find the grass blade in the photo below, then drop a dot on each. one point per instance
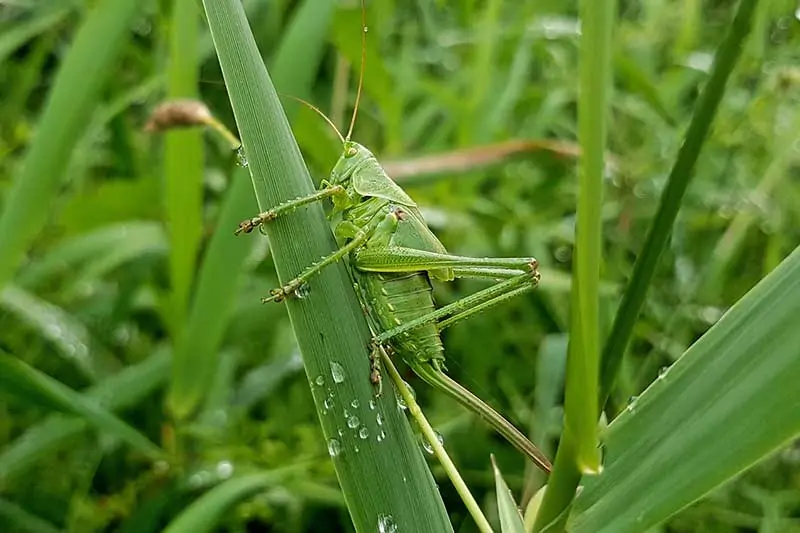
(68, 335)
(197, 354)
(730, 400)
(21, 32)
(120, 391)
(577, 452)
(75, 93)
(580, 403)
(204, 513)
(183, 162)
(682, 172)
(510, 518)
(329, 324)
(34, 387)
(22, 520)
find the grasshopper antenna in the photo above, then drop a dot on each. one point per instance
(319, 112)
(361, 70)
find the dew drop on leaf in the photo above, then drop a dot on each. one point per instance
(334, 448)
(386, 524)
(337, 372)
(241, 160)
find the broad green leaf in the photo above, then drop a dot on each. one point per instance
(729, 401)
(329, 324)
(220, 274)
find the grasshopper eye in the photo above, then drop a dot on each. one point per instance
(351, 151)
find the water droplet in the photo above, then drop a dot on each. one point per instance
(386, 524)
(224, 469)
(302, 291)
(355, 449)
(201, 479)
(631, 404)
(372, 405)
(320, 380)
(401, 402)
(353, 422)
(328, 403)
(241, 160)
(337, 372)
(334, 448)
(662, 372)
(381, 436)
(428, 446)
(341, 432)
(379, 419)
(363, 433)
(355, 404)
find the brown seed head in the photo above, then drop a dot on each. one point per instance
(178, 114)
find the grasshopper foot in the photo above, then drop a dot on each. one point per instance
(375, 367)
(247, 226)
(534, 266)
(293, 288)
(275, 295)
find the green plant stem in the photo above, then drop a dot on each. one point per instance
(183, 164)
(438, 449)
(578, 451)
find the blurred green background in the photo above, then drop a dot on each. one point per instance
(101, 298)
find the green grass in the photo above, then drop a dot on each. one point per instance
(133, 314)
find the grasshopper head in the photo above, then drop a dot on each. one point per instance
(352, 154)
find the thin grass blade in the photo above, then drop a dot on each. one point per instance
(510, 518)
(24, 521)
(183, 162)
(74, 94)
(205, 512)
(34, 387)
(120, 391)
(679, 178)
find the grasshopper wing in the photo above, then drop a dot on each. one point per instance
(413, 232)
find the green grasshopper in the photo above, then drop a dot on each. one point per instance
(393, 256)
